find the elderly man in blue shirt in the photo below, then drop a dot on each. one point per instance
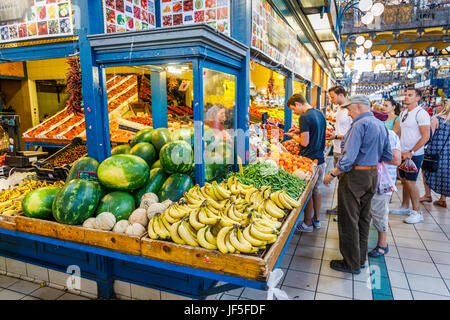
(365, 145)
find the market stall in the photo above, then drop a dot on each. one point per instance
(148, 94)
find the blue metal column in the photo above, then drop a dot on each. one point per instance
(289, 91)
(94, 95)
(197, 68)
(319, 95)
(241, 26)
(308, 92)
(159, 99)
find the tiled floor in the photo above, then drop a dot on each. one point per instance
(418, 265)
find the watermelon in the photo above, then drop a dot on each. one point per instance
(174, 187)
(120, 204)
(160, 137)
(146, 151)
(76, 201)
(84, 168)
(155, 165)
(185, 134)
(125, 172)
(144, 135)
(123, 149)
(38, 203)
(154, 183)
(177, 157)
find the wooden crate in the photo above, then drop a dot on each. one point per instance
(251, 267)
(7, 222)
(98, 238)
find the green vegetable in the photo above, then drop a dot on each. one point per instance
(263, 174)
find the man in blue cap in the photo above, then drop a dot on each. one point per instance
(365, 145)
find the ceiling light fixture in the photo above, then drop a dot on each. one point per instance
(365, 5)
(368, 44)
(367, 18)
(377, 9)
(360, 40)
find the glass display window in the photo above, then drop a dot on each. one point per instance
(219, 115)
(299, 87)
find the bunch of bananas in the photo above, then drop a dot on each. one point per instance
(11, 198)
(231, 217)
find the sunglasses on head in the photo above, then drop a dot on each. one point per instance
(404, 117)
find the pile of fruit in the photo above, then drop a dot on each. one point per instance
(329, 132)
(291, 163)
(292, 146)
(231, 217)
(11, 198)
(68, 157)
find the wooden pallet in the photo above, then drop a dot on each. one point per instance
(98, 238)
(251, 267)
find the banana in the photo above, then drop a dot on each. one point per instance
(261, 235)
(221, 239)
(151, 231)
(271, 208)
(168, 217)
(201, 238)
(254, 241)
(166, 223)
(215, 229)
(203, 192)
(193, 220)
(159, 228)
(230, 214)
(234, 190)
(282, 201)
(210, 237)
(212, 214)
(214, 204)
(192, 201)
(223, 193)
(214, 194)
(274, 197)
(194, 195)
(191, 230)
(268, 224)
(245, 247)
(264, 229)
(225, 221)
(230, 182)
(289, 200)
(230, 247)
(204, 218)
(186, 235)
(174, 233)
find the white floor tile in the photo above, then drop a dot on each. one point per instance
(433, 227)
(312, 241)
(59, 278)
(30, 298)
(2, 263)
(340, 287)
(305, 264)
(6, 281)
(235, 292)
(444, 270)
(309, 252)
(364, 276)
(436, 236)
(393, 252)
(24, 287)
(361, 291)
(393, 264)
(172, 296)
(254, 294)
(285, 261)
(420, 268)
(228, 297)
(298, 294)
(332, 254)
(440, 257)
(414, 254)
(144, 293)
(427, 284)
(401, 294)
(290, 249)
(16, 266)
(324, 296)
(443, 246)
(428, 296)
(122, 288)
(47, 293)
(405, 233)
(6, 294)
(89, 286)
(409, 243)
(332, 244)
(398, 280)
(301, 280)
(70, 296)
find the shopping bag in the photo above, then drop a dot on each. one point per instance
(408, 166)
(275, 277)
(385, 183)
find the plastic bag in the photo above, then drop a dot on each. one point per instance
(274, 278)
(385, 184)
(408, 166)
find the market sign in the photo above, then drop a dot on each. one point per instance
(32, 19)
(12, 69)
(128, 15)
(215, 13)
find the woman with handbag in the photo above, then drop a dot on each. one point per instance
(436, 165)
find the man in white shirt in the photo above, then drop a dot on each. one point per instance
(414, 134)
(338, 97)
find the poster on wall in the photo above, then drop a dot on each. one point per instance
(128, 15)
(272, 36)
(215, 13)
(33, 19)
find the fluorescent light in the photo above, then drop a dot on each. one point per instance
(377, 9)
(365, 5)
(360, 40)
(319, 23)
(360, 50)
(174, 70)
(367, 18)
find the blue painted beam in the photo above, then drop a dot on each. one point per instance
(159, 99)
(289, 91)
(39, 52)
(197, 67)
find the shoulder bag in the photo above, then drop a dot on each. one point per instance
(431, 161)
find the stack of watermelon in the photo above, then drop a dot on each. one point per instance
(156, 161)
